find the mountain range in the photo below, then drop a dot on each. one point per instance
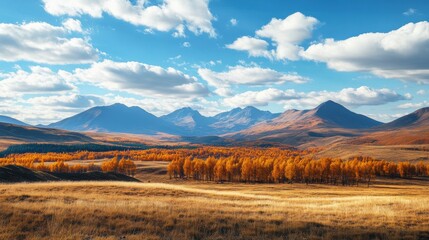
(327, 122)
(119, 118)
(236, 119)
(298, 126)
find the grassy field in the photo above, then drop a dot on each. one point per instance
(197, 210)
(394, 153)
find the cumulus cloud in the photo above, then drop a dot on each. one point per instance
(399, 54)
(37, 80)
(44, 43)
(290, 99)
(247, 75)
(68, 101)
(260, 98)
(142, 79)
(233, 21)
(254, 46)
(286, 34)
(169, 15)
(73, 25)
(414, 105)
(421, 92)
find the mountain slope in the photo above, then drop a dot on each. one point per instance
(296, 127)
(6, 119)
(409, 129)
(11, 132)
(419, 118)
(238, 119)
(336, 114)
(13, 174)
(191, 120)
(116, 118)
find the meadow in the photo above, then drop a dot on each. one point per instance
(182, 210)
(164, 208)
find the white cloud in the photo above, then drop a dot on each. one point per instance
(254, 46)
(233, 21)
(37, 80)
(186, 44)
(142, 79)
(383, 117)
(410, 12)
(291, 99)
(414, 105)
(73, 25)
(421, 92)
(286, 34)
(68, 101)
(43, 43)
(252, 76)
(399, 54)
(169, 15)
(224, 91)
(260, 98)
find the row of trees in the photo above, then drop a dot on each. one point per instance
(292, 169)
(61, 167)
(155, 154)
(124, 166)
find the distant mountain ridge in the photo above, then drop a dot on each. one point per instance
(230, 121)
(191, 120)
(116, 118)
(410, 129)
(299, 126)
(418, 118)
(185, 121)
(327, 122)
(241, 118)
(293, 127)
(6, 119)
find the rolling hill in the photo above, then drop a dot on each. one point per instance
(15, 134)
(13, 174)
(117, 118)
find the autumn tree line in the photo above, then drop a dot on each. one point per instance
(233, 164)
(124, 166)
(155, 154)
(293, 169)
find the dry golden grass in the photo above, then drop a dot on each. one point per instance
(394, 153)
(190, 210)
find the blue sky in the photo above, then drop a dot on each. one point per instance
(58, 58)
